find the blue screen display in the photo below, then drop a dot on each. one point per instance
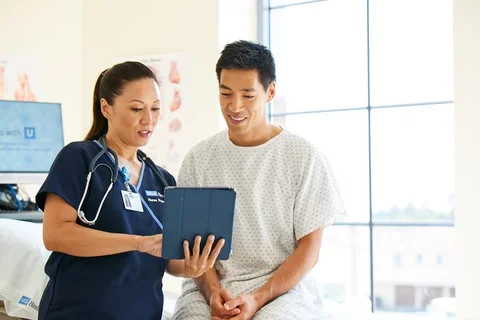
(31, 135)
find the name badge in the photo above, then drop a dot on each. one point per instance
(132, 201)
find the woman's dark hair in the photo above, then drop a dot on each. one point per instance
(110, 84)
(246, 55)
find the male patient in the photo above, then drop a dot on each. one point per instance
(286, 196)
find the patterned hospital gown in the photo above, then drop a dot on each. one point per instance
(285, 190)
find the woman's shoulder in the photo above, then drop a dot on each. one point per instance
(168, 176)
(78, 151)
(76, 147)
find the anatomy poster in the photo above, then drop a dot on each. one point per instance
(19, 78)
(168, 144)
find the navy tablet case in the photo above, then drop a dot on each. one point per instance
(192, 211)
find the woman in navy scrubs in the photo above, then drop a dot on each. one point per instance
(111, 269)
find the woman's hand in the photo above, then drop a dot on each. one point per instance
(151, 245)
(196, 264)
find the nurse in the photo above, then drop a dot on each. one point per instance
(112, 268)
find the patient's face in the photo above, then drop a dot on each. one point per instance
(243, 100)
(135, 113)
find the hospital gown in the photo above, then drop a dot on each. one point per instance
(285, 190)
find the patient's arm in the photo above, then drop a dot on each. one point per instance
(214, 295)
(292, 271)
(289, 274)
(209, 287)
(61, 233)
(208, 283)
(176, 268)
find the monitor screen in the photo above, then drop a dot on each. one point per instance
(31, 135)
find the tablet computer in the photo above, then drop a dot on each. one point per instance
(192, 211)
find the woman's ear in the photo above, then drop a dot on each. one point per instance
(106, 108)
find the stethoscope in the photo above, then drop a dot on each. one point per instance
(113, 178)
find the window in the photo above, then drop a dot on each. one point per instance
(370, 83)
(419, 259)
(439, 260)
(398, 260)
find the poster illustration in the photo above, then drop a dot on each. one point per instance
(168, 144)
(19, 78)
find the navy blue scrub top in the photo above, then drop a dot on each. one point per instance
(119, 286)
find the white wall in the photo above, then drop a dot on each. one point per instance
(467, 154)
(237, 20)
(49, 31)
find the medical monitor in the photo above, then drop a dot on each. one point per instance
(31, 135)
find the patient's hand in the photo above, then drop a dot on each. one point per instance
(217, 309)
(196, 264)
(248, 305)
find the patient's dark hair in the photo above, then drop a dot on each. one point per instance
(110, 84)
(246, 55)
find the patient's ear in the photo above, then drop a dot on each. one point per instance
(271, 92)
